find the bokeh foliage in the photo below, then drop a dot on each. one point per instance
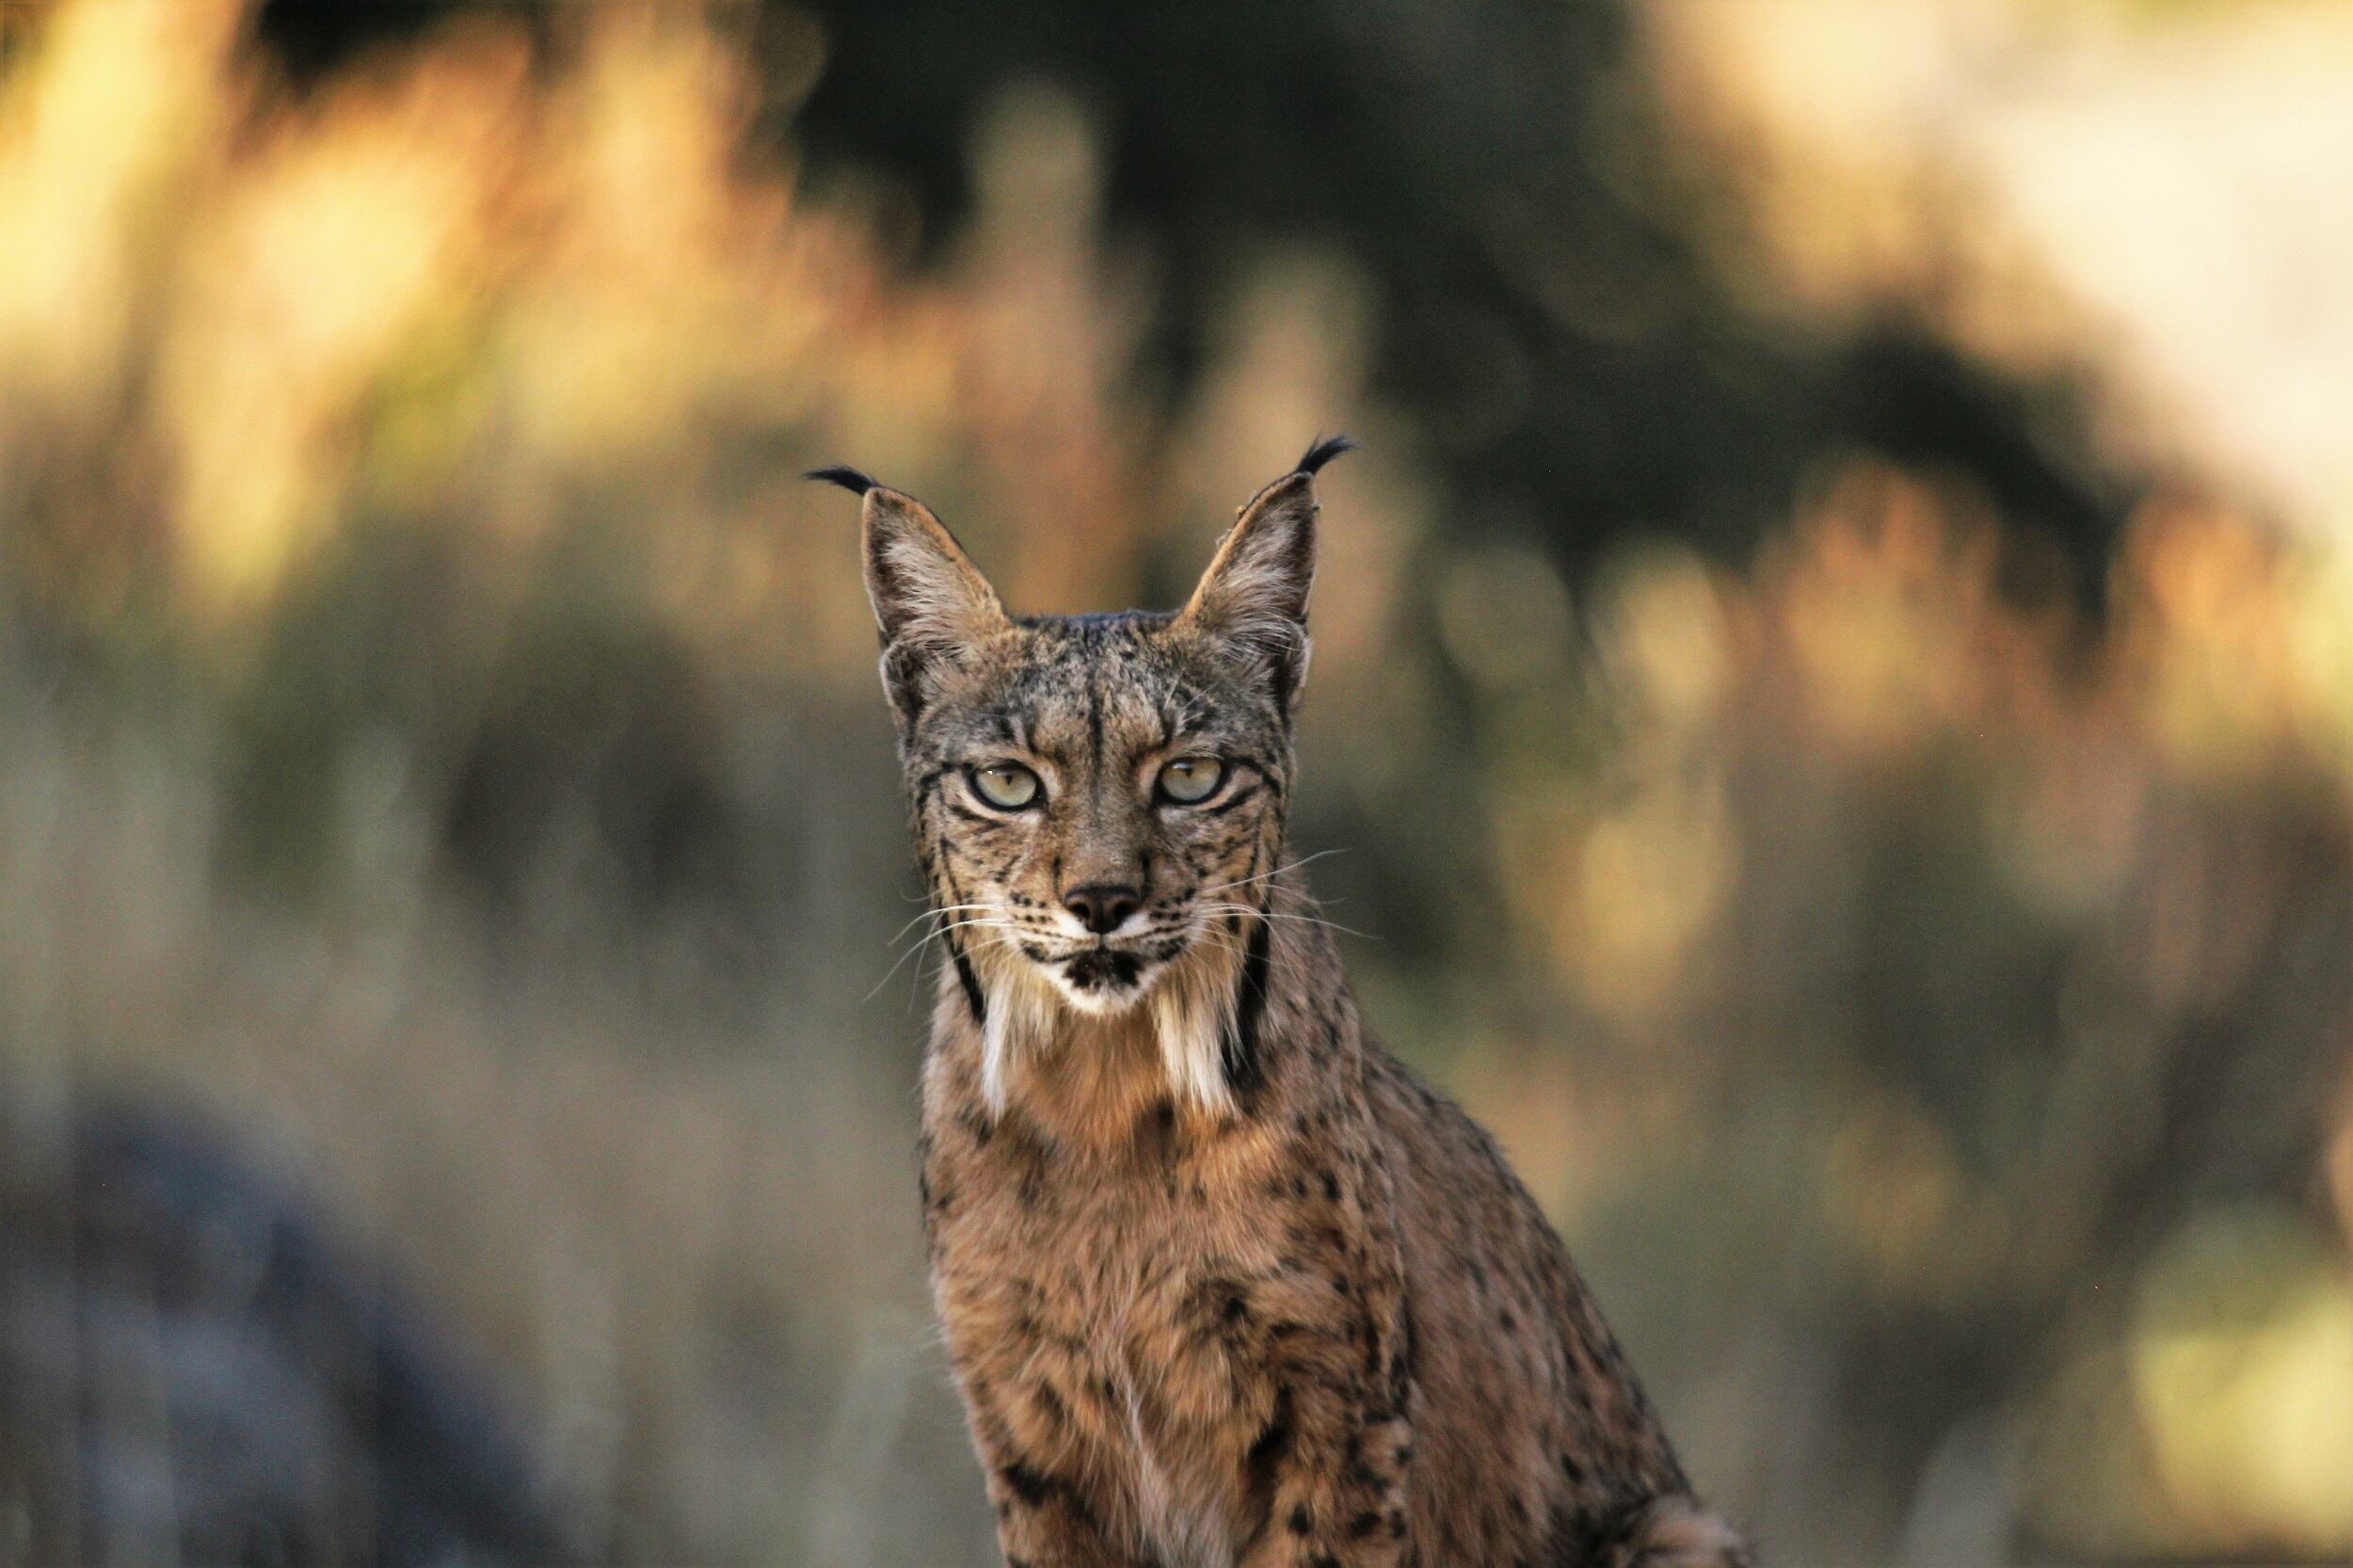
(442, 741)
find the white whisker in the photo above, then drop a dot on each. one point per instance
(938, 933)
(1279, 915)
(934, 913)
(1302, 860)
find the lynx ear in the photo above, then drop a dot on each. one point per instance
(1254, 597)
(930, 601)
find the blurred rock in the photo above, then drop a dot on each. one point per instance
(191, 1372)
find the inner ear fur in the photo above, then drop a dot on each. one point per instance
(924, 588)
(1254, 597)
(931, 602)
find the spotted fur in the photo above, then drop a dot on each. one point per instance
(1224, 1285)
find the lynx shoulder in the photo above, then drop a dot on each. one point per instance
(1224, 1285)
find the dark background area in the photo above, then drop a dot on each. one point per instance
(1548, 309)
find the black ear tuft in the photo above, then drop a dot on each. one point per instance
(1324, 452)
(848, 478)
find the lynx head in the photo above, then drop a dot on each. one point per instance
(1098, 800)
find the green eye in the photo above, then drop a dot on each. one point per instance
(1007, 786)
(1190, 780)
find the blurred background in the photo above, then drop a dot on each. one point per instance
(1833, 713)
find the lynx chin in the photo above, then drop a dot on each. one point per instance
(1225, 1286)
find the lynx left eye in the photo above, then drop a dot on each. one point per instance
(1190, 780)
(1007, 786)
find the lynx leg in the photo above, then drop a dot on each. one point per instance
(1334, 1468)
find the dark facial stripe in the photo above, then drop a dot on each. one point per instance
(971, 984)
(1242, 794)
(1094, 719)
(965, 977)
(1238, 1052)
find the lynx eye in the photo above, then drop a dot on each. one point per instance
(1190, 780)
(1007, 786)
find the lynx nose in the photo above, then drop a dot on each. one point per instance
(1101, 906)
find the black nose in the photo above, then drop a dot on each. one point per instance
(1102, 905)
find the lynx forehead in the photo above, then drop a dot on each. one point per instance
(1224, 1285)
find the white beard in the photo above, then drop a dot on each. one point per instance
(1192, 1012)
(1192, 1001)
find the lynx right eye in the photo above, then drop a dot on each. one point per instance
(1190, 780)
(1007, 786)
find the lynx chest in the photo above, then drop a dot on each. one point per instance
(1110, 1317)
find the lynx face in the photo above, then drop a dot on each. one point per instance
(1098, 800)
(1095, 797)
